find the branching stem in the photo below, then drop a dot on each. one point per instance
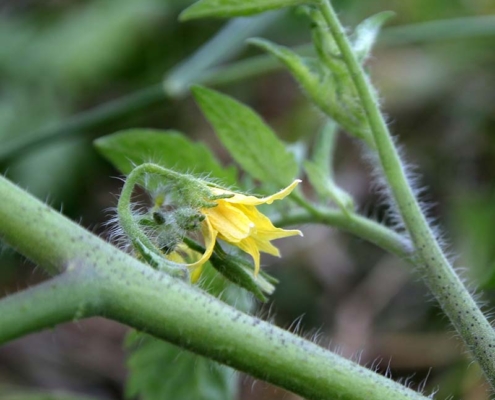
(439, 275)
(113, 284)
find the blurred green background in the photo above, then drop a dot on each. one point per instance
(437, 83)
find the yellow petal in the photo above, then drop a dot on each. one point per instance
(196, 273)
(230, 222)
(249, 246)
(265, 246)
(264, 229)
(238, 198)
(175, 257)
(209, 235)
(277, 233)
(260, 220)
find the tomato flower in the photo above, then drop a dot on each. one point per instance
(236, 220)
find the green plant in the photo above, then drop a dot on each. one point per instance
(152, 291)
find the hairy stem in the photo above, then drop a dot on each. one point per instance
(133, 231)
(355, 224)
(71, 295)
(133, 293)
(439, 275)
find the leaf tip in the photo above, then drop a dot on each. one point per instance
(199, 92)
(190, 13)
(258, 42)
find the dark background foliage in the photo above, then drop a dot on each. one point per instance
(61, 58)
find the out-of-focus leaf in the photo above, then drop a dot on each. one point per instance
(234, 8)
(160, 370)
(248, 139)
(476, 227)
(80, 48)
(171, 149)
(16, 394)
(367, 31)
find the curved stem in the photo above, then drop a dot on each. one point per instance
(135, 294)
(439, 275)
(140, 240)
(224, 45)
(127, 220)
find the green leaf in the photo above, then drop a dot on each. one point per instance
(12, 393)
(160, 370)
(248, 139)
(298, 66)
(234, 8)
(170, 149)
(366, 33)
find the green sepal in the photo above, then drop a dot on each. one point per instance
(234, 8)
(298, 66)
(238, 271)
(326, 48)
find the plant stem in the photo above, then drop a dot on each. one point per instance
(454, 28)
(64, 298)
(432, 263)
(133, 293)
(223, 46)
(355, 224)
(85, 120)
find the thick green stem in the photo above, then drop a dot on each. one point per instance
(135, 294)
(69, 296)
(439, 275)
